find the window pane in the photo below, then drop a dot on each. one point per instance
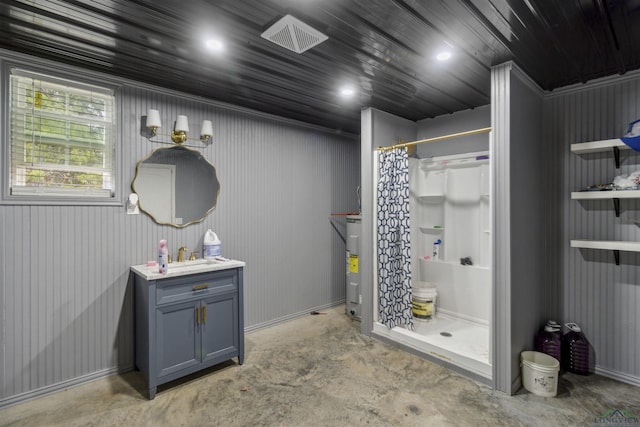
(42, 152)
(62, 136)
(48, 100)
(83, 105)
(62, 179)
(92, 157)
(46, 128)
(86, 132)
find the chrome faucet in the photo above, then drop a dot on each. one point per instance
(181, 252)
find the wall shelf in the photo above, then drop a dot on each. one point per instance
(621, 194)
(432, 198)
(616, 246)
(615, 196)
(611, 245)
(455, 263)
(598, 146)
(614, 145)
(432, 229)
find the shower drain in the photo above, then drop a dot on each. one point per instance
(446, 334)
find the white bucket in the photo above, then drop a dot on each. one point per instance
(539, 373)
(423, 303)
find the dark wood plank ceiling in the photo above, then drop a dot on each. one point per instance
(385, 48)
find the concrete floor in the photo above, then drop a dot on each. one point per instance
(320, 371)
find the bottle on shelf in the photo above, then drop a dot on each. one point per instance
(436, 249)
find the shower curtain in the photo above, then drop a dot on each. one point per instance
(394, 248)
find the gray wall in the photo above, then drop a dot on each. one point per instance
(65, 300)
(529, 152)
(519, 164)
(460, 121)
(595, 293)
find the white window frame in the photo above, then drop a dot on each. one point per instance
(58, 196)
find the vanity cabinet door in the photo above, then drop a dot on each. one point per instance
(177, 337)
(186, 323)
(220, 330)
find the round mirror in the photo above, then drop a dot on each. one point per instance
(176, 186)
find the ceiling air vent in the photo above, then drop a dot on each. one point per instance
(293, 34)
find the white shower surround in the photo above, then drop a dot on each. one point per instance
(453, 192)
(439, 199)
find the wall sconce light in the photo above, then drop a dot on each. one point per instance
(206, 131)
(180, 129)
(179, 133)
(153, 122)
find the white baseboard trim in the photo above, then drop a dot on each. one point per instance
(291, 316)
(617, 375)
(53, 388)
(516, 384)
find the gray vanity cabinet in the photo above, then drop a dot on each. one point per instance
(187, 323)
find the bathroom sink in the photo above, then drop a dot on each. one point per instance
(185, 268)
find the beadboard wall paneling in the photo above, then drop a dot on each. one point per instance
(66, 298)
(554, 198)
(367, 243)
(500, 154)
(3, 295)
(598, 295)
(461, 121)
(518, 224)
(528, 161)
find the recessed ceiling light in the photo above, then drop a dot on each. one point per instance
(443, 56)
(347, 91)
(215, 45)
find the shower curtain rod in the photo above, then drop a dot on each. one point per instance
(437, 138)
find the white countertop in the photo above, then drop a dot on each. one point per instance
(177, 269)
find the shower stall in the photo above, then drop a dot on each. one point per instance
(488, 309)
(450, 235)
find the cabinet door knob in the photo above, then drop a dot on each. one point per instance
(204, 312)
(200, 287)
(198, 315)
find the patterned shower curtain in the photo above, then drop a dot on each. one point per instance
(394, 248)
